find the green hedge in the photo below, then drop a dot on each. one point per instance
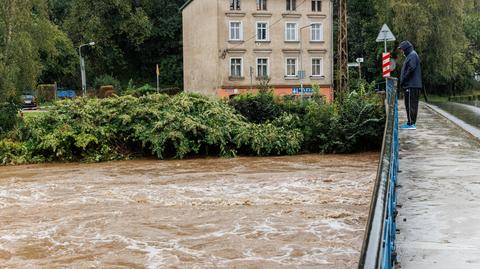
(8, 117)
(354, 125)
(183, 125)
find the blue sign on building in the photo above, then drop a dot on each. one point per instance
(299, 90)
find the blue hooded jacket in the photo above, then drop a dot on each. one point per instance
(411, 76)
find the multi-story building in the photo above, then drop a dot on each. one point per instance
(228, 45)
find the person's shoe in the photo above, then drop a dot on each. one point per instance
(404, 126)
(407, 126)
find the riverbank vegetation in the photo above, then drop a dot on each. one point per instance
(190, 125)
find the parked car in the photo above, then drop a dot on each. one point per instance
(28, 101)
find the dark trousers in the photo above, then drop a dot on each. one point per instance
(411, 104)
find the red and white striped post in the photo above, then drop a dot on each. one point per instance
(386, 64)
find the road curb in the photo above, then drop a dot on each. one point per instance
(469, 129)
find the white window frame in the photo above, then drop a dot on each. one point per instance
(268, 66)
(321, 66)
(286, 67)
(267, 34)
(312, 32)
(230, 67)
(293, 5)
(230, 31)
(296, 31)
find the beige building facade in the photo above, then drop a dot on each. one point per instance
(229, 45)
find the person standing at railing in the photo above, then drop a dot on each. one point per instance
(411, 83)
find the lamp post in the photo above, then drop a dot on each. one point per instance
(82, 67)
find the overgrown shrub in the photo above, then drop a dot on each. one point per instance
(12, 152)
(268, 139)
(105, 80)
(86, 129)
(45, 93)
(257, 108)
(90, 129)
(361, 122)
(140, 91)
(353, 125)
(8, 116)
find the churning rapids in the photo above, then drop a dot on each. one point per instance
(306, 211)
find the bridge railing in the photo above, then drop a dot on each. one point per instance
(378, 250)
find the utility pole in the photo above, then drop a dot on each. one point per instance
(342, 50)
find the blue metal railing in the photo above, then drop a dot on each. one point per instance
(378, 251)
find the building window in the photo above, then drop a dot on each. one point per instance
(262, 67)
(291, 31)
(316, 5)
(316, 32)
(317, 67)
(291, 5)
(262, 31)
(291, 67)
(261, 4)
(236, 31)
(234, 4)
(236, 67)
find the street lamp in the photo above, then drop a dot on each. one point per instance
(82, 67)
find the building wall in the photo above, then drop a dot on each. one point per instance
(276, 49)
(200, 46)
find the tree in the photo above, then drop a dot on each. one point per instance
(31, 46)
(131, 36)
(19, 60)
(435, 28)
(116, 26)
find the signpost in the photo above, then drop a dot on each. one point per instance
(360, 61)
(385, 36)
(301, 76)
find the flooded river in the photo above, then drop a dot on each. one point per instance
(287, 212)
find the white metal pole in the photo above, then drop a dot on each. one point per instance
(84, 77)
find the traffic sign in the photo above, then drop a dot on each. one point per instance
(359, 60)
(385, 34)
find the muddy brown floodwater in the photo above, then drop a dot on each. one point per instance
(304, 211)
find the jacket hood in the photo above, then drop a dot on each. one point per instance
(406, 46)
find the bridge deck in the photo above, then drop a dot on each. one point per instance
(439, 195)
